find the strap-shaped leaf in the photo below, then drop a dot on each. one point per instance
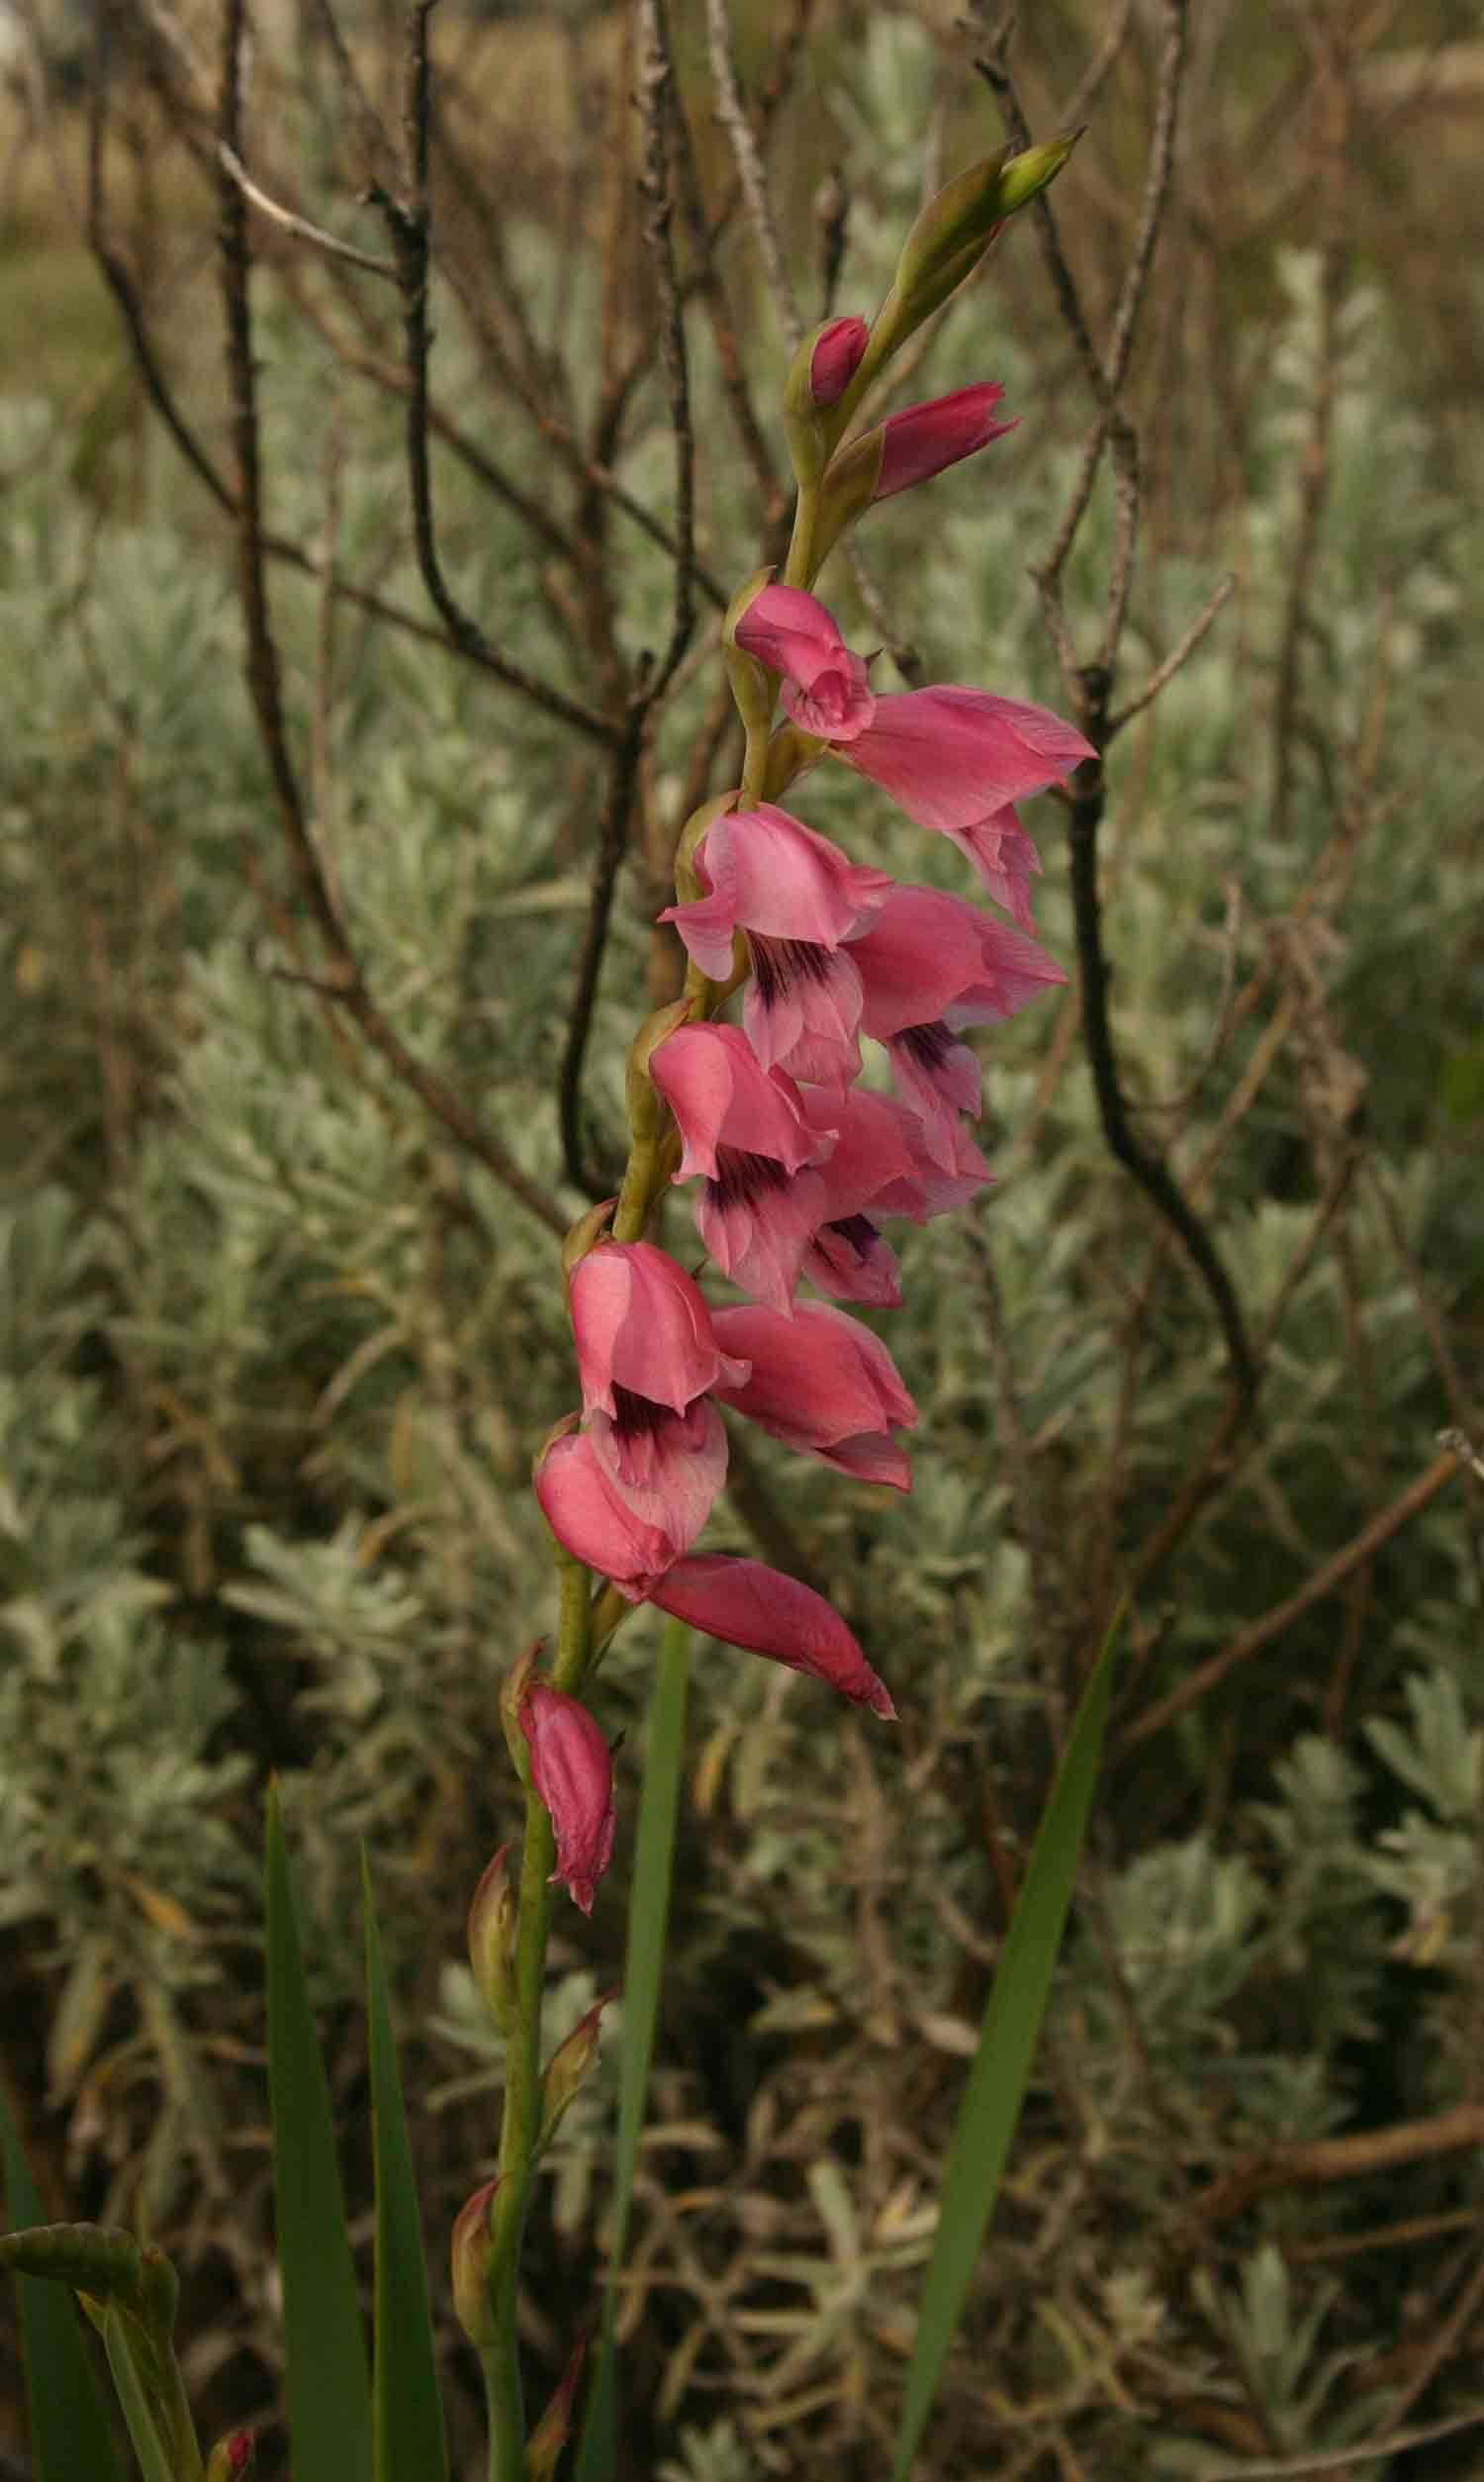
(648, 1915)
(1002, 2070)
(70, 2430)
(121, 2343)
(409, 2417)
(329, 2390)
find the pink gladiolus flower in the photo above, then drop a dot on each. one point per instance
(646, 1352)
(935, 1187)
(955, 760)
(572, 1768)
(798, 900)
(848, 1260)
(597, 1522)
(745, 1132)
(827, 689)
(642, 1329)
(930, 964)
(874, 1150)
(747, 1606)
(884, 1165)
(824, 1384)
(836, 358)
(920, 440)
(958, 760)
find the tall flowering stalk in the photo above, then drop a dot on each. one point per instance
(792, 1167)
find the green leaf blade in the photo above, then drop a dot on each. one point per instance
(69, 2428)
(410, 2444)
(329, 2389)
(648, 1918)
(1013, 2013)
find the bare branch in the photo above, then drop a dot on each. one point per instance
(345, 985)
(731, 112)
(656, 89)
(288, 221)
(1196, 1684)
(1179, 655)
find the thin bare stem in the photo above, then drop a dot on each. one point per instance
(1179, 655)
(1197, 1684)
(346, 981)
(289, 221)
(731, 112)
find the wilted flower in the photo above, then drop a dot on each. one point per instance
(572, 1768)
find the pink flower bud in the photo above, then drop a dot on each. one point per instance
(835, 359)
(920, 440)
(491, 1936)
(569, 2065)
(550, 2435)
(469, 2259)
(745, 1605)
(572, 1768)
(231, 2457)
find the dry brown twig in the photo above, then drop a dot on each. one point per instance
(1091, 683)
(345, 985)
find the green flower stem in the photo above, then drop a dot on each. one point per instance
(800, 569)
(631, 1213)
(520, 2126)
(754, 768)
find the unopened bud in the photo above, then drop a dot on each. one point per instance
(231, 2457)
(908, 447)
(961, 216)
(572, 1768)
(950, 237)
(956, 227)
(568, 2068)
(470, 2249)
(826, 363)
(554, 2429)
(490, 1934)
(823, 368)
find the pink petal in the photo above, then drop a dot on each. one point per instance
(876, 1144)
(721, 1095)
(828, 691)
(803, 1008)
(939, 1080)
(591, 1520)
(935, 1186)
(572, 1768)
(640, 1324)
(816, 1378)
(1005, 859)
(920, 440)
(769, 873)
(930, 955)
(848, 1260)
(758, 1222)
(747, 1606)
(666, 1469)
(836, 358)
(952, 757)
